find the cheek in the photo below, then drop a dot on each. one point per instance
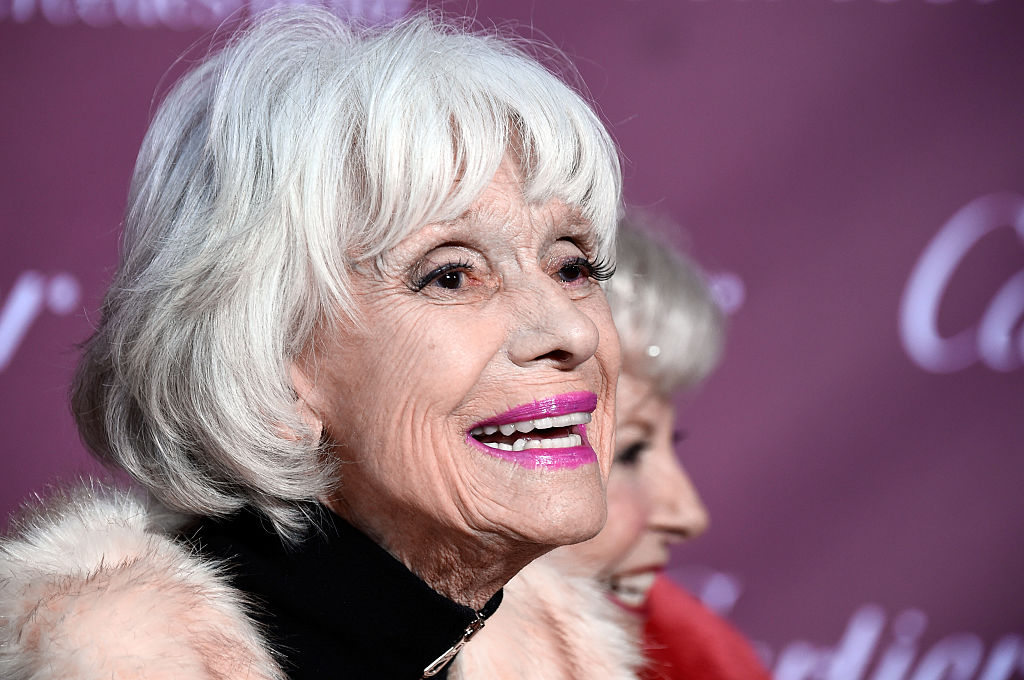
(394, 383)
(628, 509)
(449, 361)
(608, 351)
(450, 352)
(627, 518)
(608, 362)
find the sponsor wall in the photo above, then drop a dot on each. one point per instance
(850, 172)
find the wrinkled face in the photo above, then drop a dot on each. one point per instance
(475, 400)
(651, 501)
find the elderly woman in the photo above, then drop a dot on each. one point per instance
(671, 336)
(356, 343)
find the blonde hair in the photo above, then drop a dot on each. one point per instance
(670, 328)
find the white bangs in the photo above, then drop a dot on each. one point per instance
(429, 114)
(301, 149)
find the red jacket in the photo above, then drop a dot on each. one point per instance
(684, 640)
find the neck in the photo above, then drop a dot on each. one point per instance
(466, 568)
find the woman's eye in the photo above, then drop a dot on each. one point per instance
(571, 272)
(579, 268)
(450, 276)
(630, 455)
(450, 280)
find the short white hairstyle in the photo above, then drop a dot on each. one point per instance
(670, 329)
(300, 150)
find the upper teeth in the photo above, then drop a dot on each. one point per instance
(525, 426)
(537, 424)
(632, 589)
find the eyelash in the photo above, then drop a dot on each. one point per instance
(631, 454)
(600, 270)
(433, 275)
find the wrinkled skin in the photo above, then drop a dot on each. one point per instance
(397, 394)
(652, 504)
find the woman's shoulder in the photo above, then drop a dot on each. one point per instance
(92, 585)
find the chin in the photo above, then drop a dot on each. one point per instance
(567, 512)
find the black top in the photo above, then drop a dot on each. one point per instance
(337, 605)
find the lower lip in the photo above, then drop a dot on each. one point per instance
(566, 458)
(640, 612)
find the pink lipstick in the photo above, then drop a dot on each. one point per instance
(548, 433)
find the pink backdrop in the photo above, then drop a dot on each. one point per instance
(852, 173)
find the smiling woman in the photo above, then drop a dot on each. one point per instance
(671, 336)
(355, 351)
(490, 320)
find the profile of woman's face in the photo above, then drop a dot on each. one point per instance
(475, 399)
(651, 501)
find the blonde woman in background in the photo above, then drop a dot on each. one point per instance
(671, 335)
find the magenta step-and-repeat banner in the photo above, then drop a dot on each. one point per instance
(850, 173)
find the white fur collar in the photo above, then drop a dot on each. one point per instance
(553, 624)
(92, 587)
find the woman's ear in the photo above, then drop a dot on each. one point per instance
(305, 397)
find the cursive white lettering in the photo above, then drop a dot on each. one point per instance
(862, 652)
(182, 14)
(955, 657)
(991, 340)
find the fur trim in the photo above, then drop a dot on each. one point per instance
(91, 587)
(553, 624)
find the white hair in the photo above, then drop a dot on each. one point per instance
(301, 149)
(670, 329)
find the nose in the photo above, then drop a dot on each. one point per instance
(551, 327)
(677, 509)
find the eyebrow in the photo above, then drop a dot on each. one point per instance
(572, 217)
(476, 213)
(569, 224)
(583, 230)
(646, 430)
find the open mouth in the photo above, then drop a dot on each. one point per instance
(553, 432)
(630, 591)
(549, 433)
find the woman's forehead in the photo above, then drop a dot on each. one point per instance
(502, 218)
(636, 394)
